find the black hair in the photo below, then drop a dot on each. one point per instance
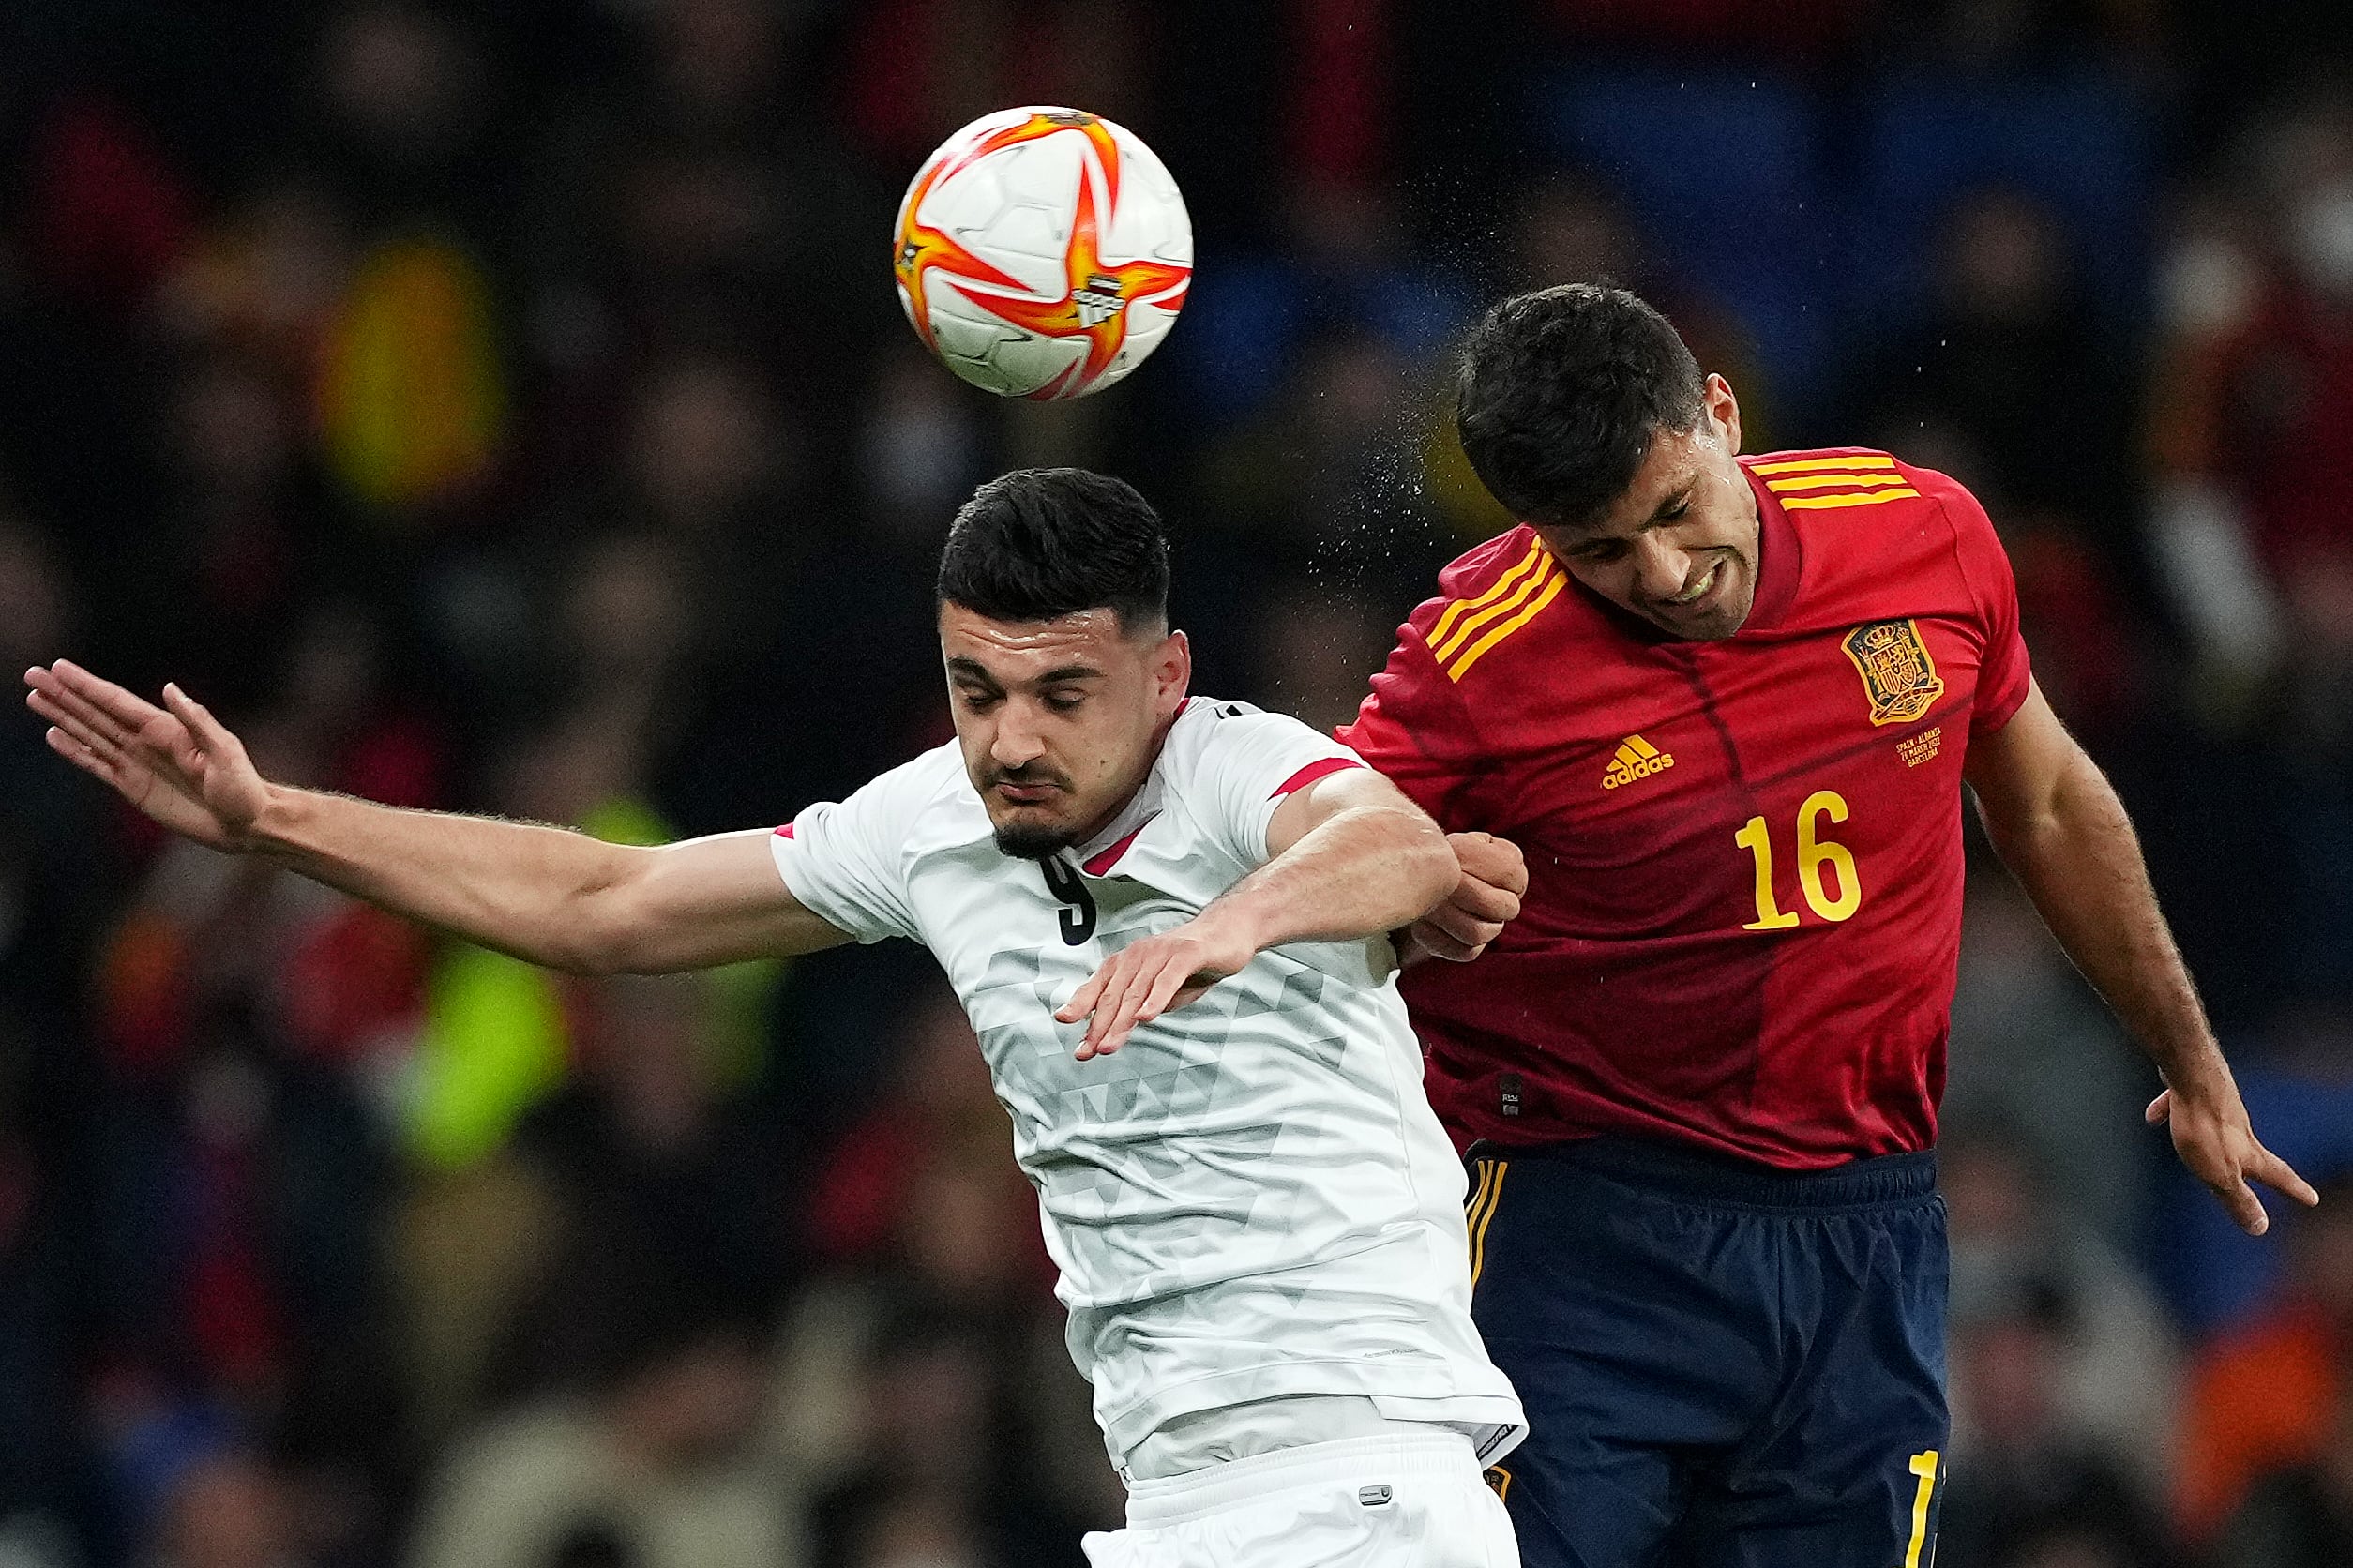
(1042, 543)
(1560, 392)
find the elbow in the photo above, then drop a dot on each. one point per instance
(594, 938)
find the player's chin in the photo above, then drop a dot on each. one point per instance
(1029, 833)
(1715, 615)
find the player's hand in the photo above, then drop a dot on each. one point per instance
(1483, 901)
(176, 762)
(2216, 1140)
(1145, 979)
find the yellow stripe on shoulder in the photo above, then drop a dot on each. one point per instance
(1499, 587)
(1548, 589)
(1867, 498)
(1822, 481)
(1487, 614)
(1872, 462)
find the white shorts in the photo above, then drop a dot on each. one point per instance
(1417, 1501)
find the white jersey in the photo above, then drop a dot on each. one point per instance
(1251, 1198)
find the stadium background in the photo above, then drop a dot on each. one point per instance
(506, 407)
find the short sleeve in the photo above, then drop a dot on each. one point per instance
(2003, 671)
(843, 859)
(1410, 726)
(1249, 762)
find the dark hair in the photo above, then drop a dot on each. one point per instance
(1562, 391)
(1040, 543)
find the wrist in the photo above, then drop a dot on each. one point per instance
(276, 827)
(2198, 1072)
(1232, 923)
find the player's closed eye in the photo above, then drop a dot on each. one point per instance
(1063, 701)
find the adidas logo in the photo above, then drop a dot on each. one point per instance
(1636, 760)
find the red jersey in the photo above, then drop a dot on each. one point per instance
(1744, 856)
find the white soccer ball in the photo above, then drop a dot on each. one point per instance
(1043, 252)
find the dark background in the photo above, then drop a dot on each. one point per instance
(504, 408)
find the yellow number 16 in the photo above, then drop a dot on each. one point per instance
(1814, 853)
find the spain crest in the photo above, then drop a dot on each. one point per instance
(1898, 674)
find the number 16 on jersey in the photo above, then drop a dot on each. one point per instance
(1826, 869)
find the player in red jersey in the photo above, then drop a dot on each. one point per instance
(1726, 705)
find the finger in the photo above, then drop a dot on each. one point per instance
(162, 741)
(1112, 1023)
(1483, 901)
(208, 738)
(1115, 977)
(74, 725)
(2159, 1108)
(1165, 989)
(59, 705)
(2276, 1172)
(1480, 853)
(1149, 998)
(127, 709)
(101, 768)
(1442, 943)
(1492, 860)
(198, 718)
(1463, 928)
(1081, 1000)
(2245, 1207)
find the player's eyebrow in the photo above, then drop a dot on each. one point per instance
(973, 669)
(1675, 498)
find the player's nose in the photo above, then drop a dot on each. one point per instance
(1014, 742)
(1660, 569)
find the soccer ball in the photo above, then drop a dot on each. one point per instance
(1043, 252)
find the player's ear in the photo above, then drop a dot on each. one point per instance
(1724, 409)
(1172, 672)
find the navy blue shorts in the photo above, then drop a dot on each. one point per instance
(1724, 1365)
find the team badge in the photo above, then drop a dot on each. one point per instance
(1898, 674)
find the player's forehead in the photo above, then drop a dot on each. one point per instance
(1012, 653)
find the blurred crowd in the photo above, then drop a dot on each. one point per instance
(503, 407)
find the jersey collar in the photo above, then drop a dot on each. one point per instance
(1780, 559)
(1105, 849)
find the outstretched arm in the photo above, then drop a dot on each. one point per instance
(2058, 826)
(543, 894)
(1350, 858)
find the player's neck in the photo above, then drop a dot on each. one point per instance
(1136, 786)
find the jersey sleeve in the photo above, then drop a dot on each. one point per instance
(843, 859)
(1249, 762)
(2003, 671)
(1411, 726)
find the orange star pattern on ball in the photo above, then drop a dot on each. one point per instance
(1095, 302)
(921, 246)
(1095, 286)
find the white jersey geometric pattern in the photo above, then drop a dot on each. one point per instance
(1252, 1198)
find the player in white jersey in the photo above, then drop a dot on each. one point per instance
(1167, 918)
